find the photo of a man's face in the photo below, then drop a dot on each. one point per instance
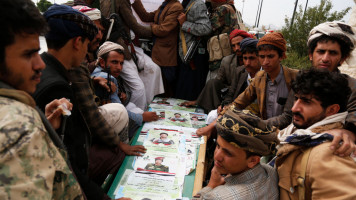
(158, 162)
(163, 136)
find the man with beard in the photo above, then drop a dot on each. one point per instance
(210, 97)
(306, 166)
(112, 54)
(33, 159)
(329, 45)
(237, 173)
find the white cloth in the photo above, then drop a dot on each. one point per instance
(133, 108)
(116, 116)
(349, 66)
(212, 116)
(283, 134)
(134, 84)
(151, 75)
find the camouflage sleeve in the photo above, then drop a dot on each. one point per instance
(216, 18)
(27, 155)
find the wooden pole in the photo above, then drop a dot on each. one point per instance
(199, 171)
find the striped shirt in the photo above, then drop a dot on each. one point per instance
(260, 182)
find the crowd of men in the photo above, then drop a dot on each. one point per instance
(67, 115)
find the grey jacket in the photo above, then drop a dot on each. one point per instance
(197, 24)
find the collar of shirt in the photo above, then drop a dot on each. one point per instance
(249, 78)
(279, 78)
(245, 176)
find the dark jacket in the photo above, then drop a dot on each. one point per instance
(55, 85)
(238, 85)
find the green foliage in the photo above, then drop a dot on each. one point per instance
(297, 35)
(43, 5)
(293, 60)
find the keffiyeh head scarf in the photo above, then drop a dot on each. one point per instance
(335, 29)
(92, 13)
(107, 47)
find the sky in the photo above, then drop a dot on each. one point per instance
(273, 11)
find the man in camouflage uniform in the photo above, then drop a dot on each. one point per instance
(223, 19)
(33, 160)
(157, 166)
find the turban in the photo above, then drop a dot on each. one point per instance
(337, 30)
(107, 47)
(65, 23)
(248, 42)
(92, 13)
(246, 131)
(275, 39)
(241, 33)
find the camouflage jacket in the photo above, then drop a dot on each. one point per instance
(224, 19)
(31, 166)
(161, 168)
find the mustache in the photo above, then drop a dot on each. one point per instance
(37, 74)
(298, 114)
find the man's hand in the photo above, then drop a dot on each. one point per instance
(215, 179)
(132, 150)
(348, 142)
(188, 103)
(103, 83)
(150, 116)
(53, 111)
(207, 130)
(182, 18)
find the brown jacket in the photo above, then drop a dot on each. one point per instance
(165, 29)
(257, 89)
(327, 176)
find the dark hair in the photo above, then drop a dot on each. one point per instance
(58, 44)
(344, 47)
(250, 49)
(18, 17)
(325, 86)
(270, 47)
(163, 133)
(249, 154)
(177, 114)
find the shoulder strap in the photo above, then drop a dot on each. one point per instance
(184, 44)
(301, 178)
